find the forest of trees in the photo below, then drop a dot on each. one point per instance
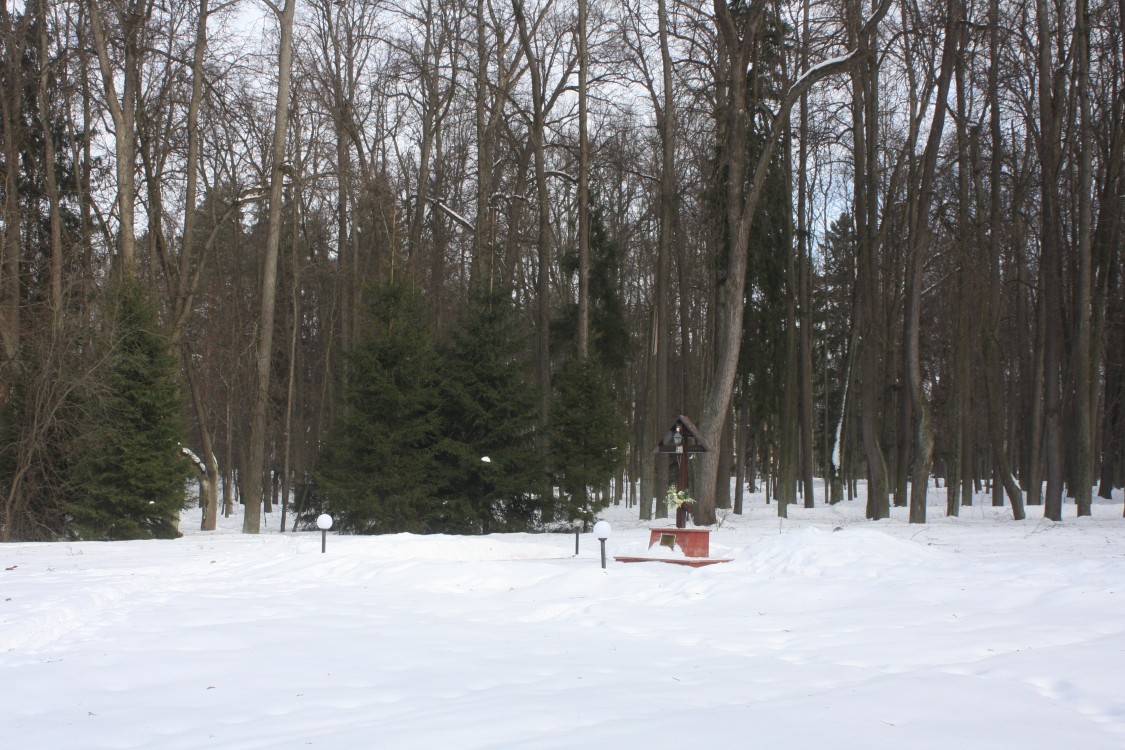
(343, 251)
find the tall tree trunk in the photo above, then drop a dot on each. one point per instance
(902, 405)
(1050, 264)
(1032, 364)
(741, 207)
(50, 177)
(132, 17)
(430, 95)
(990, 344)
(346, 247)
(187, 280)
(736, 47)
(790, 446)
(1107, 249)
(741, 449)
(543, 285)
(291, 375)
(903, 445)
(1113, 426)
(865, 194)
(804, 291)
(583, 188)
(12, 129)
(1083, 434)
(252, 482)
(648, 427)
(228, 460)
(804, 372)
(921, 239)
(483, 249)
(726, 449)
(666, 114)
(1113, 417)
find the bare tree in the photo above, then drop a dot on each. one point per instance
(542, 101)
(921, 236)
(1051, 81)
(659, 85)
(1082, 431)
(128, 23)
(50, 171)
(583, 183)
(739, 43)
(252, 481)
(991, 330)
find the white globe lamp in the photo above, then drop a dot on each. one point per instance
(601, 531)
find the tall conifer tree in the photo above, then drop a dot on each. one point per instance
(490, 410)
(377, 471)
(129, 478)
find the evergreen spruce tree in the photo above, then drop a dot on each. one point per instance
(377, 471)
(489, 410)
(587, 437)
(609, 331)
(587, 429)
(128, 480)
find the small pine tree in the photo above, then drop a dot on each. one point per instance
(489, 410)
(587, 436)
(129, 478)
(376, 471)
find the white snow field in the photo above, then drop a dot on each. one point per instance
(825, 631)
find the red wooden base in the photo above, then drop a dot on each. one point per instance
(695, 544)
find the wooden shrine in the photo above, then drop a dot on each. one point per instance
(681, 440)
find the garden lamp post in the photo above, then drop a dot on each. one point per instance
(324, 523)
(601, 531)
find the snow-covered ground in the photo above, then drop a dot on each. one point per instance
(825, 631)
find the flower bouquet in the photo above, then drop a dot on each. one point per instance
(681, 501)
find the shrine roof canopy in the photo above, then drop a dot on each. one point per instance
(690, 440)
